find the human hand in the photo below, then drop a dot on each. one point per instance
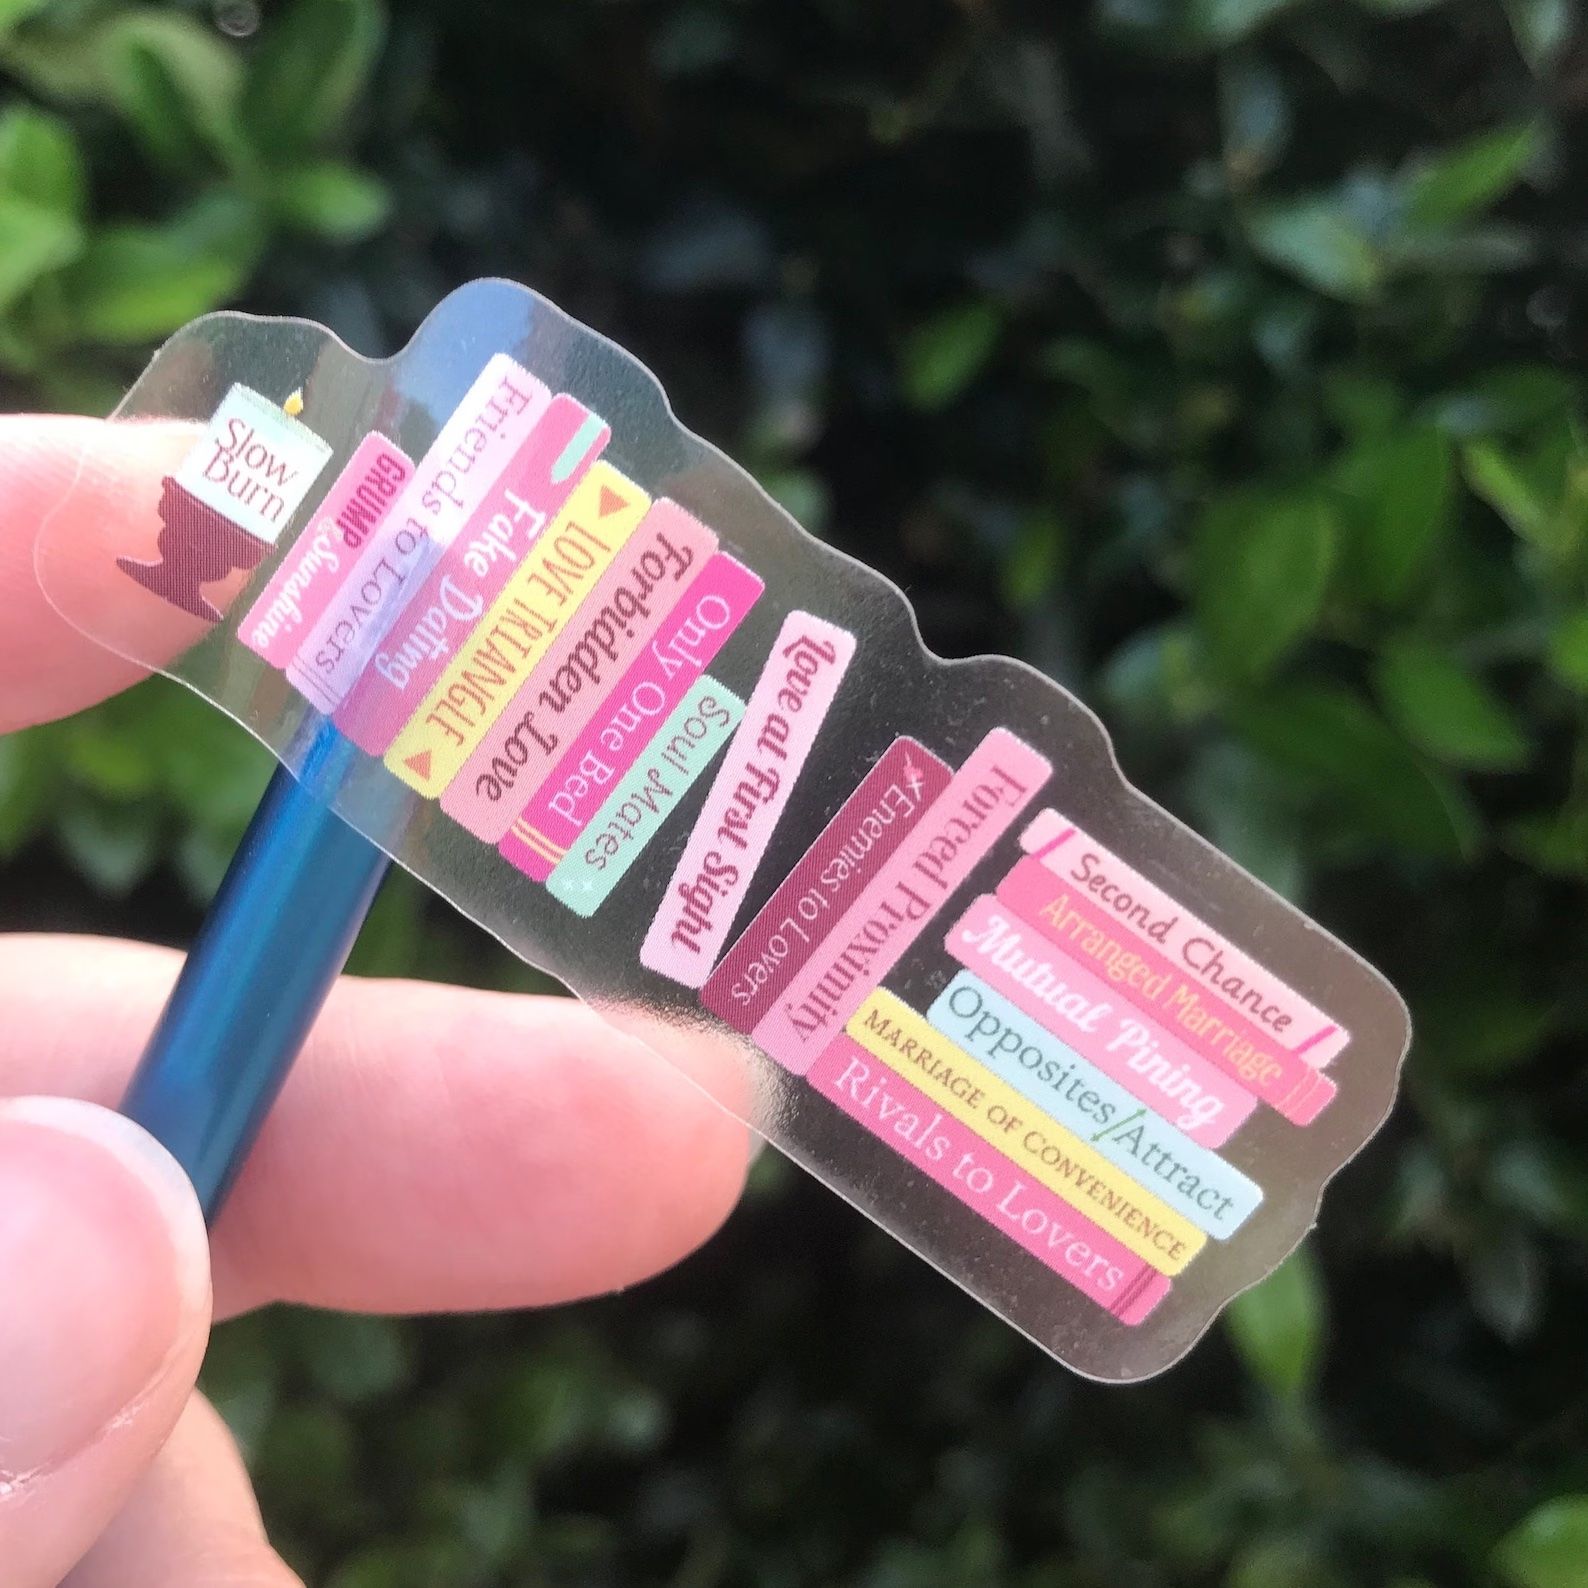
(518, 1151)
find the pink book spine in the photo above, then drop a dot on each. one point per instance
(850, 850)
(1065, 917)
(548, 463)
(1063, 996)
(988, 1183)
(751, 791)
(707, 616)
(1001, 776)
(449, 482)
(612, 626)
(1145, 909)
(321, 558)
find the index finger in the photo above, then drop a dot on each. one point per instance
(435, 1149)
(85, 480)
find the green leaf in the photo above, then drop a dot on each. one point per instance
(1447, 711)
(332, 200)
(309, 1455)
(1501, 482)
(1260, 569)
(1484, 1023)
(421, 1564)
(41, 163)
(1278, 1326)
(1554, 842)
(1541, 491)
(352, 1358)
(210, 772)
(1542, 29)
(1550, 1548)
(117, 766)
(1226, 21)
(1332, 741)
(801, 493)
(1158, 679)
(1279, 1563)
(242, 1375)
(391, 941)
(1473, 250)
(1315, 240)
(1397, 489)
(1362, 404)
(1542, 1181)
(178, 85)
(1237, 801)
(1254, 107)
(1459, 185)
(14, 12)
(943, 356)
(34, 241)
(313, 60)
(1033, 561)
(492, 1518)
(1512, 400)
(201, 860)
(1568, 651)
(135, 283)
(1503, 1271)
(114, 846)
(29, 778)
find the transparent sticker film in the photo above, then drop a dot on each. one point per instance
(572, 667)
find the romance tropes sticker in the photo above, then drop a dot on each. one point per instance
(579, 673)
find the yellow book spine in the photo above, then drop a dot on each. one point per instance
(562, 567)
(891, 1031)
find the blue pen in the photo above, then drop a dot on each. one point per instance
(285, 919)
(300, 885)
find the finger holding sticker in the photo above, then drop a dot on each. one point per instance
(81, 493)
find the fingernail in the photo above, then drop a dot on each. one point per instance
(104, 1274)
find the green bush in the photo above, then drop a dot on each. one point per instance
(1215, 355)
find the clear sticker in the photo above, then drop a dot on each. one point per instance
(572, 667)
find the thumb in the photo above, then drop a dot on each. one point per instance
(104, 1313)
(75, 494)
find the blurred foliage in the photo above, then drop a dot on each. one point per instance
(1217, 356)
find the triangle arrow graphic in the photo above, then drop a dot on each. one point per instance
(611, 502)
(419, 765)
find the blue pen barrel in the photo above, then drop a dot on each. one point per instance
(293, 900)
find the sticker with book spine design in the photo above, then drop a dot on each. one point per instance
(573, 668)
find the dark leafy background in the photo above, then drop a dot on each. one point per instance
(1220, 358)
